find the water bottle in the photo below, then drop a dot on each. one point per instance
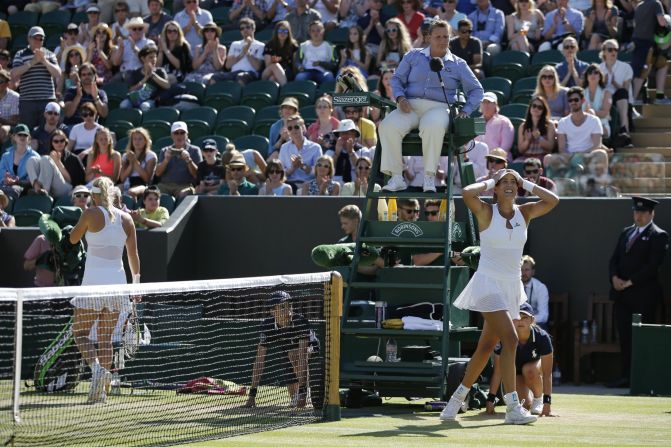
(556, 375)
(392, 350)
(392, 210)
(380, 311)
(584, 332)
(595, 329)
(382, 213)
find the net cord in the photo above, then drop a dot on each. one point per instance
(18, 354)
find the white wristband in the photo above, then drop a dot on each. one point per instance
(136, 279)
(489, 184)
(527, 185)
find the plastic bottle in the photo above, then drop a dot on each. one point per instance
(392, 210)
(392, 350)
(382, 211)
(556, 375)
(584, 332)
(595, 330)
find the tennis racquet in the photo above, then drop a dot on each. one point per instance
(131, 333)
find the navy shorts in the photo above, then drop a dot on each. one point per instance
(640, 55)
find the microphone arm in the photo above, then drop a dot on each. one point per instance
(436, 64)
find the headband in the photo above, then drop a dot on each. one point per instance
(95, 190)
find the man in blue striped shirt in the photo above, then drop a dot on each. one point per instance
(422, 104)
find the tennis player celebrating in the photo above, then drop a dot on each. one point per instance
(107, 230)
(289, 333)
(496, 288)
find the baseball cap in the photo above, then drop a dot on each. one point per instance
(21, 129)
(36, 31)
(290, 101)
(209, 144)
(80, 188)
(491, 97)
(179, 125)
(525, 308)
(72, 27)
(278, 297)
(53, 107)
(346, 126)
(93, 8)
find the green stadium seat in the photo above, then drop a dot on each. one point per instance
(65, 200)
(199, 120)
(509, 64)
(19, 42)
(326, 87)
(53, 40)
(523, 84)
(129, 201)
(390, 10)
(309, 114)
(55, 22)
(221, 141)
(235, 121)
(589, 56)
(198, 128)
(116, 92)
(196, 89)
(230, 36)
(548, 57)
(21, 22)
(168, 114)
(337, 36)
(517, 166)
(514, 110)
(303, 91)
(498, 84)
(223, 94)
(157, 128)
(120, 127)
(265, 118)
(372, 84)
(168, 202)
(522, 97)
(264, 35)
(34, 202)
(121, 144)
(220, 15)
(256, 142)
(133, 116)
(159, 144)
(259, 94)
(624, 56)
(79, 17)
(27, 217)
(486, 62)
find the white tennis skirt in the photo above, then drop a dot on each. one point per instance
(103, 276)
(487, 293)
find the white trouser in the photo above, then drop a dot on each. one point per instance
(45, 171)
(432, 118)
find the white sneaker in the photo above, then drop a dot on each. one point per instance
(429, 183)
(396, 183)
(451, 410)
(537, 406)
(518, 415)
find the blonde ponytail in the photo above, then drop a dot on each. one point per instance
(104, 187)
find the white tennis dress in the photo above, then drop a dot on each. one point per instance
(104, 263)
(497, 285)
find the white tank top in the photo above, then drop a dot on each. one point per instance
(105, 247)
(501, 247)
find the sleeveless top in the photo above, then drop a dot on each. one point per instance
(595, 102)
(106, 164)
(501, 248)
(533, 23)
(105, 251)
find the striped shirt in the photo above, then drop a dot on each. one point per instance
(9, 105)
(36, 83)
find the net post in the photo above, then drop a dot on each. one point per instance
(332, 411)
(18, 354)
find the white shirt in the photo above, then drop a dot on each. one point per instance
(255, 51)
(130, 60)
(311, 54)
(620, 72)
(538, 298)
(327, 16)
(82, 137)
(579, 138)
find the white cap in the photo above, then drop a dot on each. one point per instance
(179, 125)
(491, 97)
(36, 31)
(346, 126)
(53, 107)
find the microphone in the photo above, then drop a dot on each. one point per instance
(436, 64)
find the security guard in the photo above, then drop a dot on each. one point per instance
(634, 267)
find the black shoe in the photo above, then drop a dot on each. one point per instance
(622, 382)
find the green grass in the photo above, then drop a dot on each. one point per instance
(151, 417)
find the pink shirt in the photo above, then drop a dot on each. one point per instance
(313, 129)
(499, 132)
(43, 277)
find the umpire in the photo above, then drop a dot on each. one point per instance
(634, 267)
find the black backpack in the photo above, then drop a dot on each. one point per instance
(60, 366)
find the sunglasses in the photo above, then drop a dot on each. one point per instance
(175, 31)
(364, 168)
(179, 132)
(574, 99)
(137, 29)
(275, 171)
(537, 106)
(59, 141)
(531, 171)
(496, 161)
(282, 31)
(85, 113)
(293, 127)
(569, 47)
(52, 113)
(82, 195)
(73, 54)
(351, 112)
(391, 30)
(120, 10)
(38, 38)
(208, 30)
(236, 169)
(323, 165)
(101, 33)
(465, 31)
(85, 73)
(611, 49)
(22, 135)
(411, 210)
(593, 72)
(71, 31)
(431, 213)
(244, 27)
(547, 76)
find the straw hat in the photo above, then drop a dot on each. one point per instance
(66, 52)
(102, 26)
(211, 25)
(135, 22)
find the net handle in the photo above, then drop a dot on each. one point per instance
(18, 354)
(333, 406)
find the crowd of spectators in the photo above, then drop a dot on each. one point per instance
(53, 103)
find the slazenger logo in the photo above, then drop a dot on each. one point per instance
(407, 227)
(57, 346)
(350, 99)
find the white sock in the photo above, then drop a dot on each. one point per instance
(537, 400)
(461, 392)
(511, 399)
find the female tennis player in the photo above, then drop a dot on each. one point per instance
(496, 288)
(107, 230)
